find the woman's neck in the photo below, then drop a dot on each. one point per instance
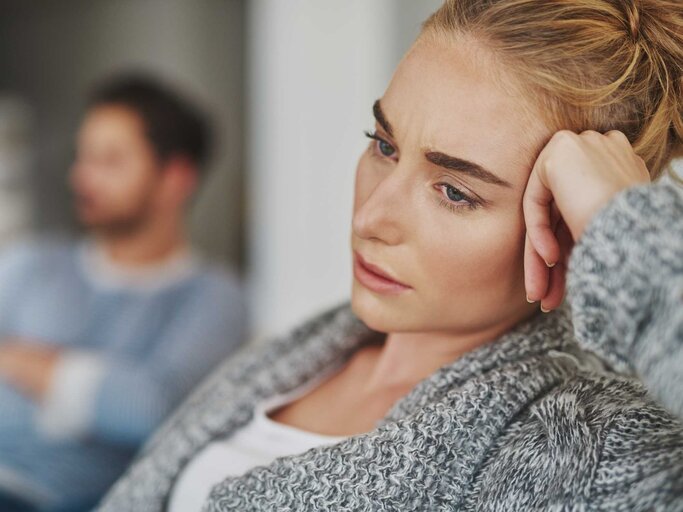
(404, 359)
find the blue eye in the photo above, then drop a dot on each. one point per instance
(456, 199)
(384, 148)
(454, 194)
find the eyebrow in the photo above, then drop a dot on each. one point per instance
(443, 160)
(381, 118)
(466, 167)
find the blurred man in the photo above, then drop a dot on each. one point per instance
(101, 338)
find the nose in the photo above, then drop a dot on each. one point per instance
(380, 212)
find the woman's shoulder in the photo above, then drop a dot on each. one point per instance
(597, 401)
(598, 436)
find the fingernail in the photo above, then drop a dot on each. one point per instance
(550, 264)
(544, 310)
(529, 300)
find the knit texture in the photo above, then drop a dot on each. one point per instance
(530, 421)
(625, 284)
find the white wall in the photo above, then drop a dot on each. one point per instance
(315, 70)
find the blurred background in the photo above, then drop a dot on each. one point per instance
(289, 87)
(289, 84)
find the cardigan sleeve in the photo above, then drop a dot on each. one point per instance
(625, 287)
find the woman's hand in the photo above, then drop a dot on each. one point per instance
(574, 176)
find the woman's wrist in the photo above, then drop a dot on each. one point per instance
(617, 266)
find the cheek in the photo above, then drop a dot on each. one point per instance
(135, 179)
(119, 182)
(365, 181)
(483, 256)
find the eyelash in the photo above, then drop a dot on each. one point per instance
(472, 204)
(378, 140)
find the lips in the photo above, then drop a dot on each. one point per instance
(373, 277)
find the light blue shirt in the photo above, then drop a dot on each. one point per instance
(135, 344)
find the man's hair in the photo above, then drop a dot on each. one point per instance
(173, 125)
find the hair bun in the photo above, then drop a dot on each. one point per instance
(589, 64)
(633, 15)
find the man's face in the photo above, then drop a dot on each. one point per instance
(116, 175)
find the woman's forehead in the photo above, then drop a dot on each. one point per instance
(443, 98)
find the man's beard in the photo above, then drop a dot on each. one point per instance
(123, 225)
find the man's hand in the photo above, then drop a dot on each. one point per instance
(28, 367)
(574, 176)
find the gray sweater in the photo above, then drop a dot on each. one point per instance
(529, 421)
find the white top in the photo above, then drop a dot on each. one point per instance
(258, 443)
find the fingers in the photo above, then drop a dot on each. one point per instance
(618, 136)
(541, 248)
(556, 288)
(624, 147)
(543, 283)
(578, 172)
(566, 241)
(536, 273)
(537, 215)
(555, 218)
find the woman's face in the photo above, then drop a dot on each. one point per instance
(438, 197)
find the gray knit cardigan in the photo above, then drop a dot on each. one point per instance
(530, 421)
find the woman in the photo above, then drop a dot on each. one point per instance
(440, 386)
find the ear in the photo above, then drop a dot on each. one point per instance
(180, 178)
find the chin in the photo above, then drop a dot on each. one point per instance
(383, 314)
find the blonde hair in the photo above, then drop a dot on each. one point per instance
(592, 64)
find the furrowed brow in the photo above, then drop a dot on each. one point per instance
(465, 167)
(381, 118)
